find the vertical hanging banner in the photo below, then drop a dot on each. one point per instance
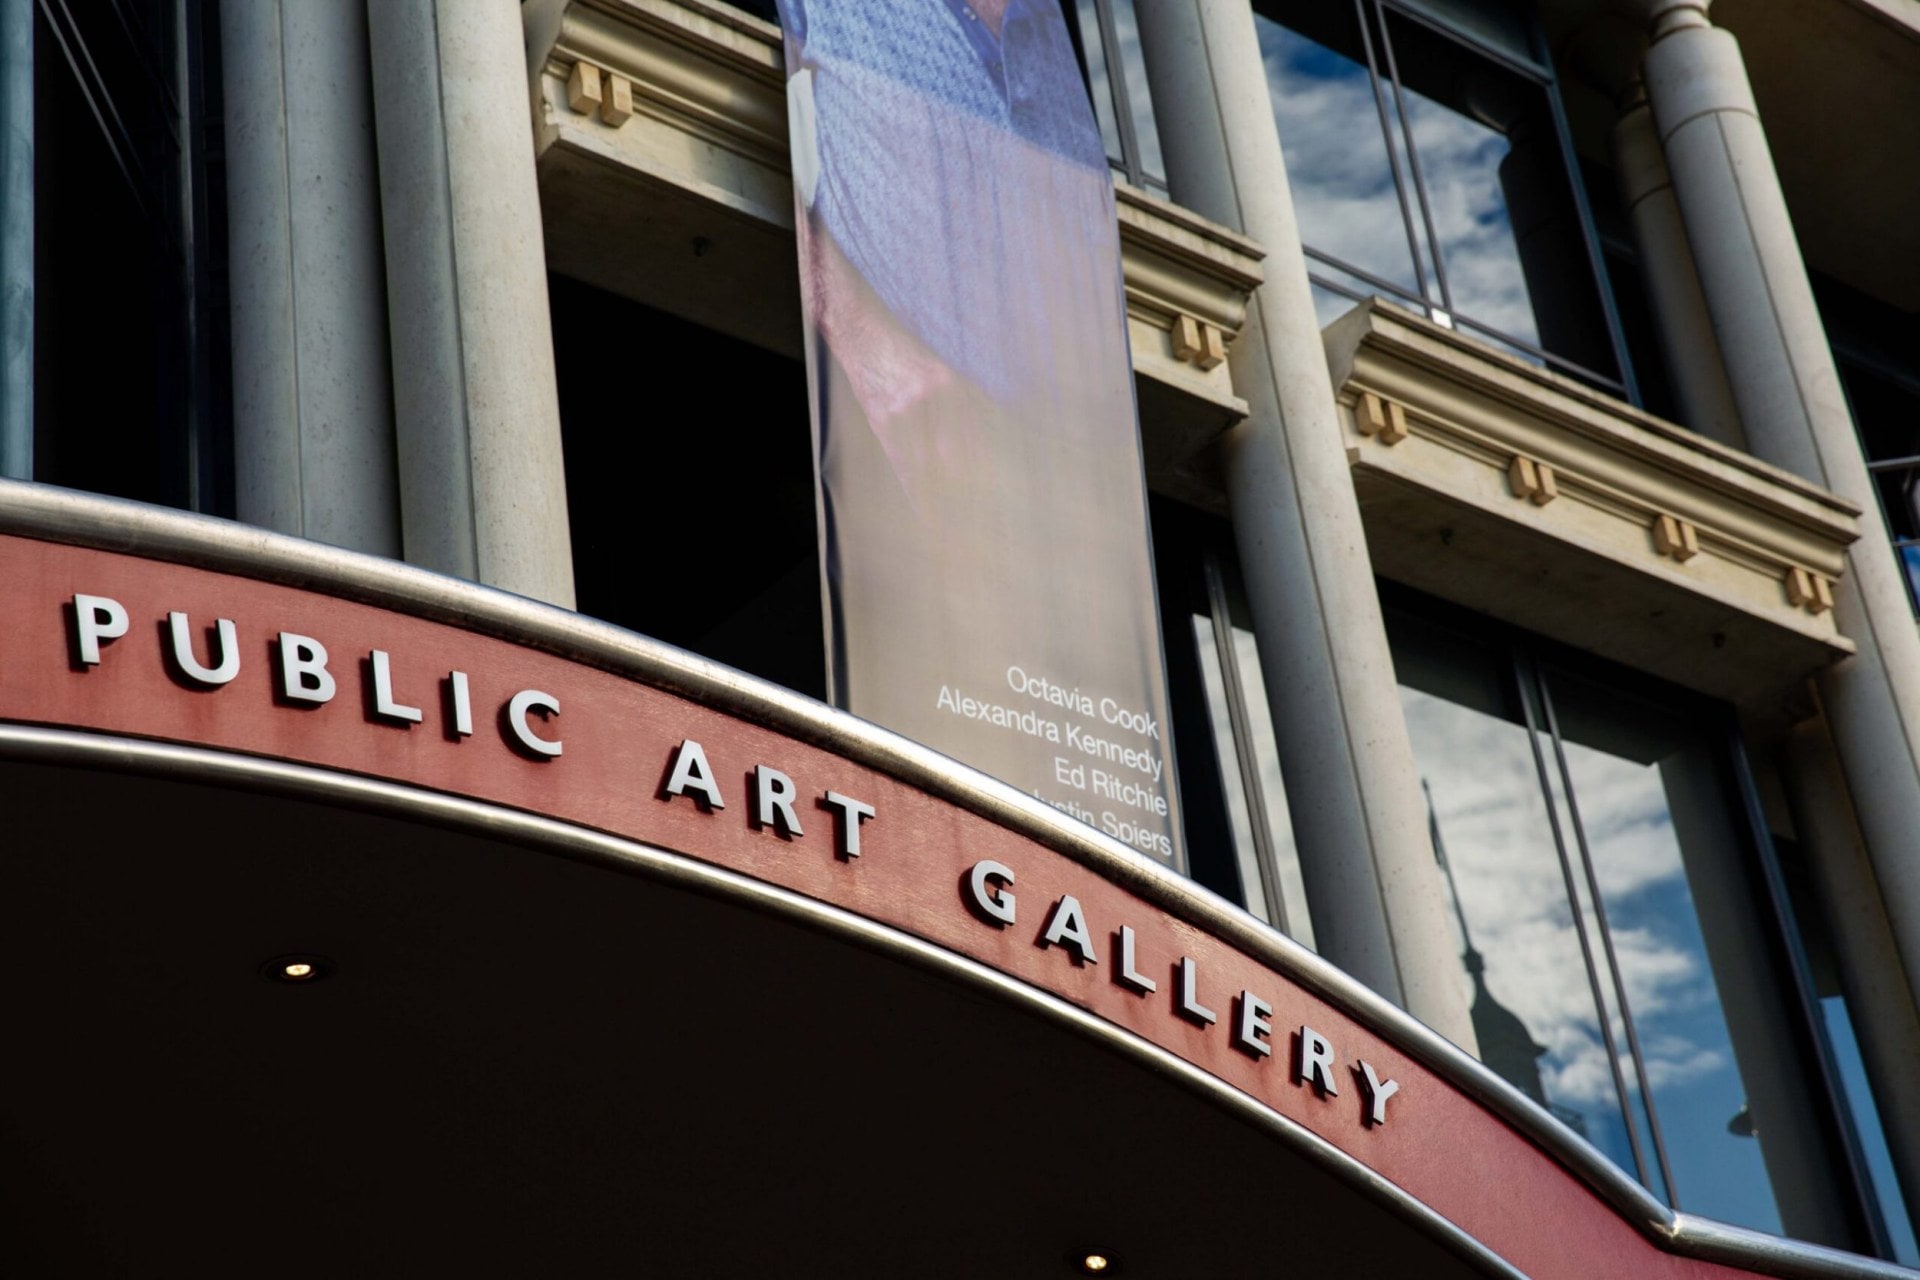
(987, 578)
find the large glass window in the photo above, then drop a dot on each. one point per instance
(1876, 348)
(1427, 157)
(1847, 1070)
(740, 488)
(1886, 409)
(131, 383)
(1633, 306)
(1247, 753)
(1109, 38)
(1239, 832)
(1622, 934)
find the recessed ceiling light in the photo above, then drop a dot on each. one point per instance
(296, 969)
(1095, 1263)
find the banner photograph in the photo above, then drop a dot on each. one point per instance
(987, 578)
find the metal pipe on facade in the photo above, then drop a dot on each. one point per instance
(16, 239)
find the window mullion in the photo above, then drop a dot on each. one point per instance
(1806, 1002)
(1606, 940)
(1589, 237)
(1393, 152)
(1524, 691)
(1243, 747)
(1120, 92)
(1413, 154)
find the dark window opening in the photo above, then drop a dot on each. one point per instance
(692, 514)
(131, 376)
(766, 9)
(1876, 349)
(1639, 330)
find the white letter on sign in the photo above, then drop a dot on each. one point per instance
(181, 629)
(1067, 927)
(1377, 1091)
(692, 773)
(303, 669)
(527, 700)
(852, 814)
(384, 703)
(1252, 1028)
(773, 795)
(995, 908)
(96, 618)
(1314, 1065)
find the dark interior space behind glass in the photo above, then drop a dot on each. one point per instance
(691, 525)
(1876, 348)
(131, 376)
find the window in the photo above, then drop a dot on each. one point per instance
(1427, 155)
(1876, 348)
(131, 382)
(1633, 305)
(1625, 938)
(1239, 831)
(697, 530)
(1108, 36)
(1848, 1069)
(1886, 411)
(766, 9)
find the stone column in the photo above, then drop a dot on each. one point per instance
(476, 411)
(312, 405)
(1666, 267)
(1789, 397)
(1372, 880)
(16, 239)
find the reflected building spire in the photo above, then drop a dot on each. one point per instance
(1506, 1046)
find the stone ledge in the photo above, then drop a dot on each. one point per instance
(1536, 499)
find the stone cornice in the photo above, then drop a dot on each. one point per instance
(1538, 499)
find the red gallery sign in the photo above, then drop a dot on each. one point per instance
(112, 643)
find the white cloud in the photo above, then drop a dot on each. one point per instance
(1343, 188)
(1500, 844)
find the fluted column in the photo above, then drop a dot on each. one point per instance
(1371, 878)
(1673, 284)
(1795, 416)
(312, 405)
(476, 409)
